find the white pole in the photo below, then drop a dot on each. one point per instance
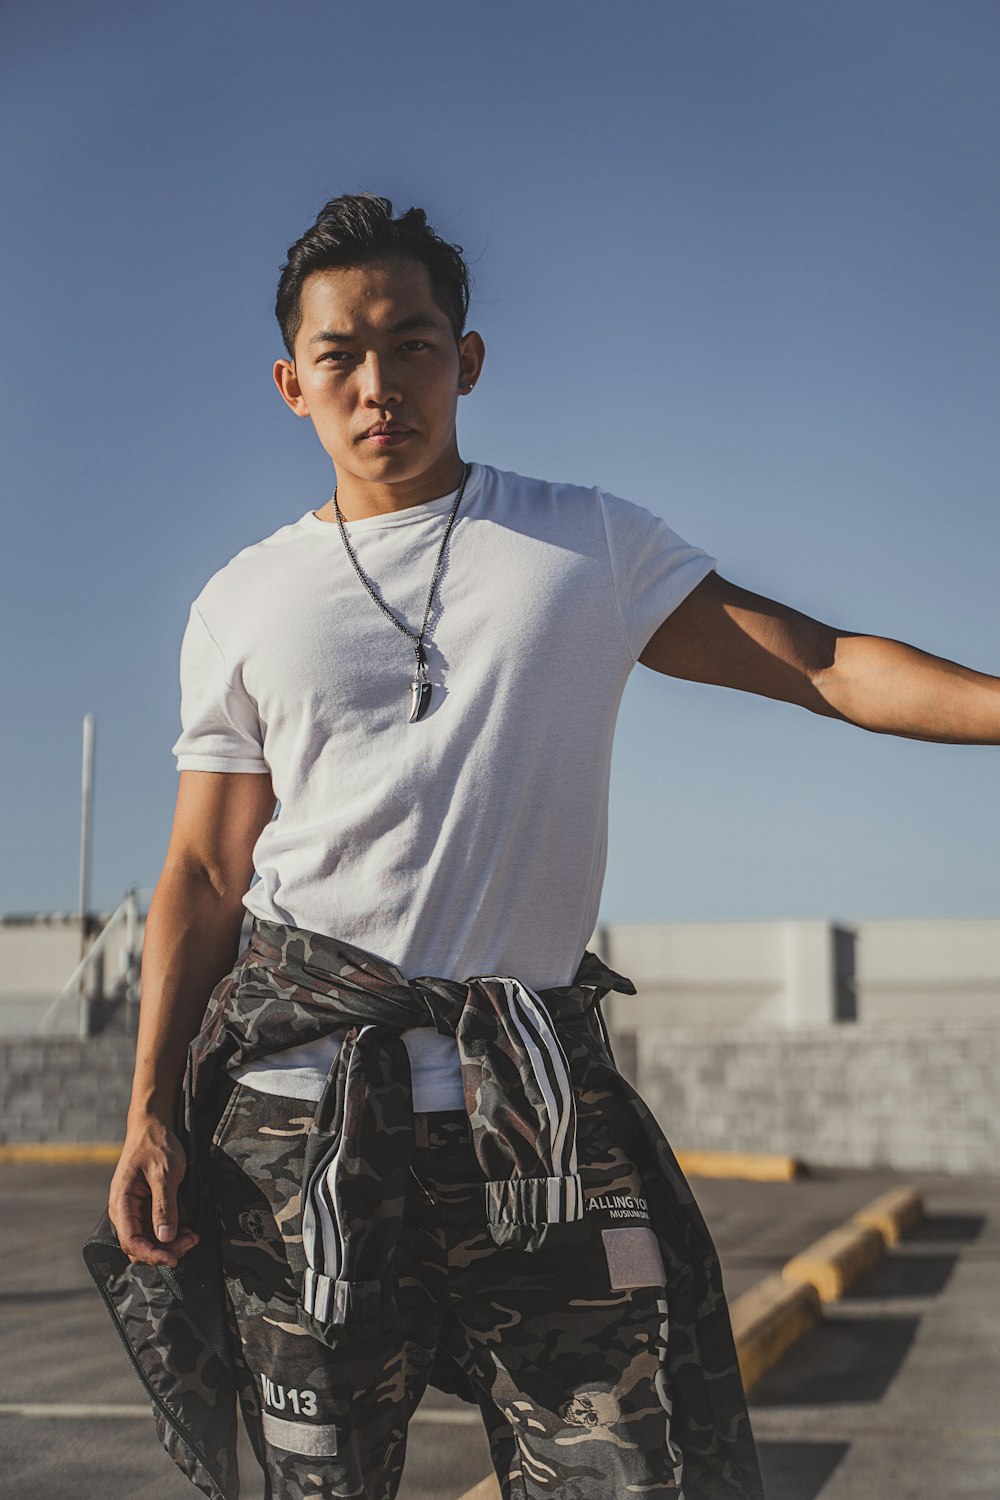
(88, 797)
(131, 962)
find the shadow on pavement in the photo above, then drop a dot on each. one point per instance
(906, 1276)
(958, 1228)
(63, 1294)
(843, 1360)
(798, 1471)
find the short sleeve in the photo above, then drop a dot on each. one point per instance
(221, 729)
(652, 568)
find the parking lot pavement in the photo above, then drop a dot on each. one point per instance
(895, 1396)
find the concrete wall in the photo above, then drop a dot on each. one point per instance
(923, 1098)
(62, 1089)
(920, 971)
(873, 1047)
(793, 973)
(731, 973)
(918, 1098)
(803, 973)
(743, 1036)
(38, 952)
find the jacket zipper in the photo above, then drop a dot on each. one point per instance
(156, 1399)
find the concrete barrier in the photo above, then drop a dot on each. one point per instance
(755, 1166)
(767, 1320)
(61, 1151)
(894, 1214)
(834, 1262)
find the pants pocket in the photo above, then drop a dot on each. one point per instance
(222, 1128)
(257, 1179)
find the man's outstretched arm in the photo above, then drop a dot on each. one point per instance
(727, 635)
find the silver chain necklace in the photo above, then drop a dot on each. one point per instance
(420, 687)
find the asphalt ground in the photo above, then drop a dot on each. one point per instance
(894, 1396)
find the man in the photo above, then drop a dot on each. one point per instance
(426, 672)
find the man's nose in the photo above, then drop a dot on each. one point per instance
(378, 383)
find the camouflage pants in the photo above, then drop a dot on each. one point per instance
(565, 1350)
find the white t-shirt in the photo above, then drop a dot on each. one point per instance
(473, 841)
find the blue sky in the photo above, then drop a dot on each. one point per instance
(735, 261)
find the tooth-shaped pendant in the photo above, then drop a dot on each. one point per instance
(420, 689)
(420, 697)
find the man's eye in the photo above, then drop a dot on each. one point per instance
(336, 355)
(416, 344)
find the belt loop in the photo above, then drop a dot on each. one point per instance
(426, 997)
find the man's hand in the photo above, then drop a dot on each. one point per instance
(724, 634)
(142, 1202)
(191, 939)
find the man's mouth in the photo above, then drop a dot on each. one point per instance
(387, 434)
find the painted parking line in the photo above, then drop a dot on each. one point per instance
(70, 1409)
(445, 1417)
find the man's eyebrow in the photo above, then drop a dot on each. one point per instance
(415, 320)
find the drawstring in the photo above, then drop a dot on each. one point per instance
(423, 1188)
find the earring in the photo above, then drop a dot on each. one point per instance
(466, 385)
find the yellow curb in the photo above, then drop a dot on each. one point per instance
(61, 1151)
(755, 1166)
(894, 1214)
(767, 1320)
(834, 1262)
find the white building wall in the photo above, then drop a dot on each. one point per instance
(688, 974)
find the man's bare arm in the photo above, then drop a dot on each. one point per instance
(190, 943)
(727, 635)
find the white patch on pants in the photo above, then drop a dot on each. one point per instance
(300, 1437)
(633, 1257)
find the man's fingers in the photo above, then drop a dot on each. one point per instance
(141, 1240)
(148, 1253)
(143, 1205)
(164, 1196)
(125, 1211)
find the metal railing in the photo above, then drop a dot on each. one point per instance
(126, 911)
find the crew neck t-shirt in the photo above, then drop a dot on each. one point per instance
(474, 840)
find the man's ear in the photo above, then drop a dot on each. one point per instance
(287, 382)
(471, 354)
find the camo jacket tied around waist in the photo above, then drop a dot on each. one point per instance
(524, 1056)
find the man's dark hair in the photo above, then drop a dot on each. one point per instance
(355, 230)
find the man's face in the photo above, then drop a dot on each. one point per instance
(375, 351)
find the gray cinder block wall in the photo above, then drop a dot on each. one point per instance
(62, 1089)
(912, 1097)
(918, 1098)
